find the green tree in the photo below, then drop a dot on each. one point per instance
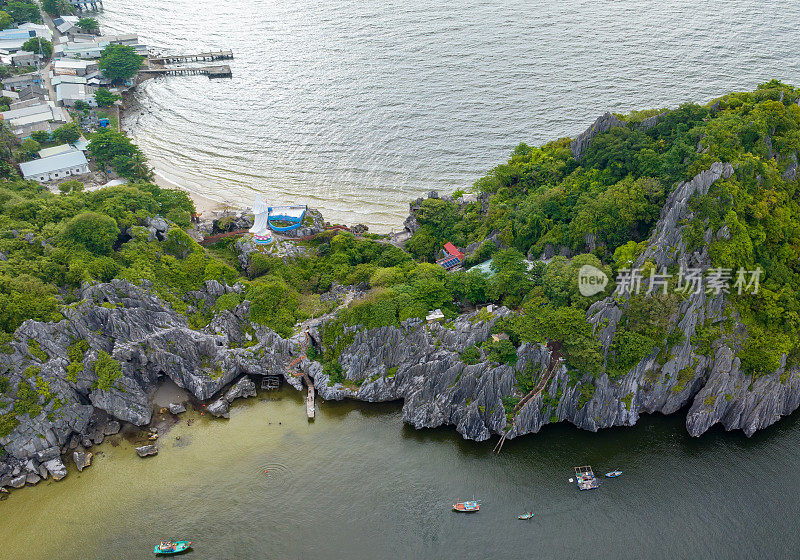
(106, 144)
(31, 146)
(107, 370)
(40, 136)
(89, 24)
(105, 98)
(511, 281)
(97, 232)
(73, 185)
(67, 134)
(39, 46)
(6, 20)
(23, 11)
(51, 7)
(120, 62)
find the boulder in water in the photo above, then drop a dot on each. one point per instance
(147, 450)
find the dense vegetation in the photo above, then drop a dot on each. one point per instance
(607, 203)
(600, 209)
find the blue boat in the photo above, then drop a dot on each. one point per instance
(172, 547)
(613, 474)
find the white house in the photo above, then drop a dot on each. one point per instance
(60, 166)
(435, 315)
(19, 58)
(94, 47)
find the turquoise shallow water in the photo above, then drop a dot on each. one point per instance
(359, 107)
(357, 483)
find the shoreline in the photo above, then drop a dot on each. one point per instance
(203, 204)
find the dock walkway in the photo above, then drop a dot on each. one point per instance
(210, 71)
(200, 57)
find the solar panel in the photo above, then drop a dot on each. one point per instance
(450, 263)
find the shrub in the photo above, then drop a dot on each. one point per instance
(502, 351)
(97, 232)
(36, 350)
(471, 355)
(107, 370)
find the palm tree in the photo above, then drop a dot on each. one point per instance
(139, 167)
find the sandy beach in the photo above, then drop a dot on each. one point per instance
(205, 206)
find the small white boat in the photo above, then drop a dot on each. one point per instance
(527, 515)
(613, 474)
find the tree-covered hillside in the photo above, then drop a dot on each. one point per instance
(597, 209)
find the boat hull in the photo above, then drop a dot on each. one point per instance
(180, 546)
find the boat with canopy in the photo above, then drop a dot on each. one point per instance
(470, 506)
(172, 547)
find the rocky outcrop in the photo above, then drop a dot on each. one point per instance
(150, 341)
(604, 123)
(420, 364)
(147, 451)
(82, 459)
(415, 362)
(177, 408)
(240, 390)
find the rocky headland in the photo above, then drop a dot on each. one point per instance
(418, 362)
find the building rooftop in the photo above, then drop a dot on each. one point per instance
(75, 63)
(73, 91)
(25, 111)
(55, 150)
(52, 163)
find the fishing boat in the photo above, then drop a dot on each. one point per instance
(586, 478)
(467, 507)
(172, 547)
(613, 474)
(527, 515)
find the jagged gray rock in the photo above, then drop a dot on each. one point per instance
(177, 408)
(56, 468)
(219, 408)
(241, 389)
(147, 451)
(604, 123)
(82, 459)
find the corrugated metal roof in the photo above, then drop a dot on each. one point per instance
(52, 163)
(55, 150)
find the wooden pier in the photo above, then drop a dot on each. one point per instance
(200, 57)
(310, 408)
(210, 71)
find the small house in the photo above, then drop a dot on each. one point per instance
(435, 315)
(19, 58)
(60, 166)
(451, 257)
(16, 83)
(70, 93)
(63, 26)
